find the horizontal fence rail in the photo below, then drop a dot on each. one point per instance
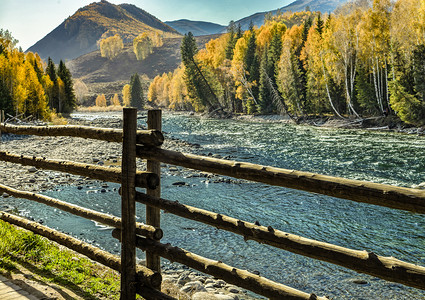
(388, 268)
(242, 278)
(145, 137)
(142, 229)
(143, 179)
(367, 192)
(145, 275)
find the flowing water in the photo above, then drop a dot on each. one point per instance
(389, 158)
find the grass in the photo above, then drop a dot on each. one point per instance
(50, 262)
(54, 263)
(99, 108)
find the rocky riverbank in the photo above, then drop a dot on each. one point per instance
(189, 284)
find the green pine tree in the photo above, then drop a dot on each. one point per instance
(264, 97)
(70, 101)
(198, 81)
(239, 32)
(54, 93)
(5, 99)
(320, 24)
(231, 29)
(419, 71)
(136, 92)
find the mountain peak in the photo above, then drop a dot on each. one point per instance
(79, 34)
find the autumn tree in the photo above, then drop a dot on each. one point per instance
(111, 46)
(126, 95)
(115, 101)
(101, 100)
(81, 91)
(142, 46)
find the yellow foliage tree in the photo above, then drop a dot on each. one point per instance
(126, 95)
(111, 46)
(115, 101)
(81, 91)
(156, 38)
(101, 100)
(142, 46)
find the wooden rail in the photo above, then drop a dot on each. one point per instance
(388, 268)
(360, 191)
(145, 137)
(142, 229)
(242, 278)
(143, 179)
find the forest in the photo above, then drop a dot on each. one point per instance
(31, 88)
(365, 59)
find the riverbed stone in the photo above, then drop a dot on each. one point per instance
(193, 286)
(232, 289)
(226, 297)
(203, 296)
(32, 169)
(183, 279)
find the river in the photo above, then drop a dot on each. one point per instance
(381, 157)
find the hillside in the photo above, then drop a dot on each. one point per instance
(324, 6)
(79, 34)
(196, 27)
(102, 75)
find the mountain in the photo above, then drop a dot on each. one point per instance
(79, 34)
(324, 6)
(196, 27)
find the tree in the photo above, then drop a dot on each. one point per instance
(111, 46)
(198, 87)
(69, 101)
(7, 41)
(142, 46)
(126, 95)
(115, 101)
(231, 30)
(320, 24)
(53, 92)
(252, 66)
(81, 91)
(101, 100)
(136, 92)
(264, 99)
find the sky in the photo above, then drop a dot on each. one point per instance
(30, 20)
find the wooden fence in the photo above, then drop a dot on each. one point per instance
(146, 145)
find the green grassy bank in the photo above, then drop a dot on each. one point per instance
(53, 263)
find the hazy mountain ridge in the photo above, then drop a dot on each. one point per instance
(324, 6)
(79, 34)
(198, 28)
(203, 28)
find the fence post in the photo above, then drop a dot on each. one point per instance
(153, 214)
(128, 205)
(1, 120)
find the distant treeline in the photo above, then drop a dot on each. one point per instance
(29, 86)
(366, 59)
